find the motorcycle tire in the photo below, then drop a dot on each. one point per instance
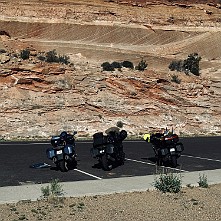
(63, 165)
(72, 164)
(174, 161)
(107, 166)
(159, 161)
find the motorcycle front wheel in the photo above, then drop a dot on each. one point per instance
(106, 163)
(63, 165)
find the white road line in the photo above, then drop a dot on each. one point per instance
(201, 158)
(99, 178)
(153, 164)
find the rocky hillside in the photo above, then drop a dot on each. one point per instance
(40, 98)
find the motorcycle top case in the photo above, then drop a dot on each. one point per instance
(98, 139)
(56, 141)
(171, 139)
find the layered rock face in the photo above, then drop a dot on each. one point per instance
(40, 99)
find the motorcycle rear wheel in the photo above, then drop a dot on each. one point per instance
(107, 166)
(159, 161)
(174, 161)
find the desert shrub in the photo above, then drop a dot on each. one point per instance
(55, 189)
(2, 51)
(128, 64)
(64, 59)
(24, 54)
(107, 66)
(175, 79)
(142, 65)
(41, 57)
(168, 183)
(203, 181)
(176, 66)
(116, 64)
(51, 56)
(120, 124)
(191, 64)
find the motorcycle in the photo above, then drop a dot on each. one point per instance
(166, 146)
(62, 152)
(108, 149)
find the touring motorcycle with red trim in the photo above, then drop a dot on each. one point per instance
(166, 146)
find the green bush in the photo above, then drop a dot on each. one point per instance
(116, 64)
(203, 181)
(64, 59)
(55, 189)
(51, 56)
(107, 66)
(191, 64)
(128, 64)
(120, 124)
(168, 183)
(142, 65)
(176, 66)
(24, 54)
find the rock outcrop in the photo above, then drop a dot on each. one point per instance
(40, 99)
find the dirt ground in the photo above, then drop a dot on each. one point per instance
(192, 204)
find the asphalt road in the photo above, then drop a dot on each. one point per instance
(200, 154)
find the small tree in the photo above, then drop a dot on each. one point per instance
(192, 64)
(142, 65)
(24, 54)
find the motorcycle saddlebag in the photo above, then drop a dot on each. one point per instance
(98, 139)
(179, 147)
(50, 152)
(94, 152)
(69, 150)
